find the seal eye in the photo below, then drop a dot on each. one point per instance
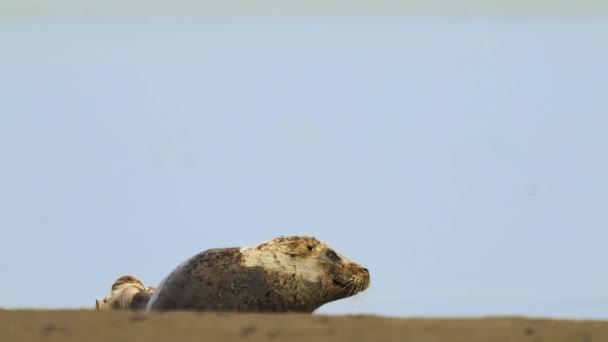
(332, 256)
(310, 248)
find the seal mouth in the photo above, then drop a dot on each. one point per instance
(339, 283)
(343, 285)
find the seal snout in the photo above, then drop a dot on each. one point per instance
(351, 279)
(362, 278)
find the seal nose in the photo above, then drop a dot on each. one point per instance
(366, 270)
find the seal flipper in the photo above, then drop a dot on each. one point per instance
(140, 300)
(127, 293)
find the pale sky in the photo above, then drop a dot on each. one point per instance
(461, 160)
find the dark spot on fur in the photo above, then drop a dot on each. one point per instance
(261, 246)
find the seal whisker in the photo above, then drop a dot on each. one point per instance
(353, 288)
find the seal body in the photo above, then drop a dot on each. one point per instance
(286, 274)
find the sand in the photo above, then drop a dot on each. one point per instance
(87, 325)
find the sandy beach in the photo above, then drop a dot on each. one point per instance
(88, 325)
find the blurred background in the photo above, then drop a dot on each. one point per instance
(457, 149)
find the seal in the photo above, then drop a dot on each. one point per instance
(286, 274)
(127, 293)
